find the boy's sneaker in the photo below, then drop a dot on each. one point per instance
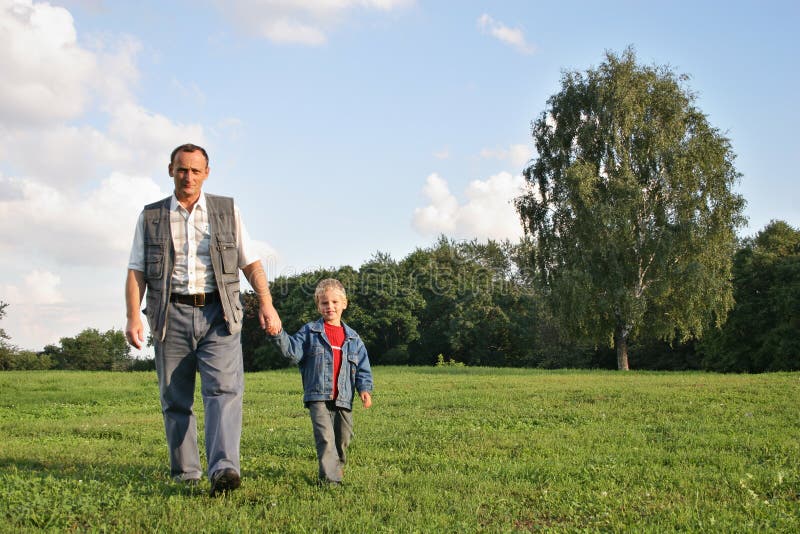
(223, 481)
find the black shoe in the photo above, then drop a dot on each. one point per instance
(223, 481)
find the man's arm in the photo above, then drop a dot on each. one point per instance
(134, 291)
(267, 315)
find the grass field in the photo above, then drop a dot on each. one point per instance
(446, 449)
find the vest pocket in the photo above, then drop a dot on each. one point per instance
(153, 300)
(153, 261)
(230, 256)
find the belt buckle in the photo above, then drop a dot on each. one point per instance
(199, 299)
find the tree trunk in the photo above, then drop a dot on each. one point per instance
(621, 346)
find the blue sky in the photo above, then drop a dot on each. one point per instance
(341, 127)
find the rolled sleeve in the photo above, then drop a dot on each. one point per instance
(136, 258)
(247, 252)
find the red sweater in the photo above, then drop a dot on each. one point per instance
(336, 337)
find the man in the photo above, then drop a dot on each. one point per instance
(187, 252)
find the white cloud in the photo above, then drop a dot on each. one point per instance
(440, 215)
(517, 155)
(49, 224)
(41, 62)
(39, 287)
(43, 288)
(305, 22)
(510, 36)
(74, 154)
(117, 73)
(488, 212)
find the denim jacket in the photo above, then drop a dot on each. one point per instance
(311, 350)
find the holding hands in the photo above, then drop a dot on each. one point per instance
(269, 319)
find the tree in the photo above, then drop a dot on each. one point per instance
(385, 307)
(92, 350)
(477, 309)
(630, 206)
(762, 332)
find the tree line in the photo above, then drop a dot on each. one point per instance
(90, 350)
(478, 303)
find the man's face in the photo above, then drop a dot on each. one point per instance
(189, 171)
(330, 305)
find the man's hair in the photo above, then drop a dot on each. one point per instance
(188, 147)
(325, 285)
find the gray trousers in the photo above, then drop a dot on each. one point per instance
(197, 339)
(333, 429)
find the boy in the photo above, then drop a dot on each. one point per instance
(333, 363)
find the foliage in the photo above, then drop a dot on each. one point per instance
(478, 308)
(14, 359)
(468, 299)
(631, 207)
(450, 449)
(92, 350)
(763, 330)
(441, 362)
(387, 310)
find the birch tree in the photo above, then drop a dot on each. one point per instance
(630, 206)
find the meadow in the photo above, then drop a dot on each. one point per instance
(443, 449)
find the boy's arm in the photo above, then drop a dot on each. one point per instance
(364, 376)
(292, 347)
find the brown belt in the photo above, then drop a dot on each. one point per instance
(197, 299)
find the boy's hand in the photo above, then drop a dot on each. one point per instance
(366, 399)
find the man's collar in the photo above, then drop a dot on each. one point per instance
(173, 206)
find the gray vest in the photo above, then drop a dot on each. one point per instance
(159, 255)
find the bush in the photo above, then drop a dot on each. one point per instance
(148, 364)
(13, 359)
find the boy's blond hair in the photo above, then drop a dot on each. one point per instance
(325, 285)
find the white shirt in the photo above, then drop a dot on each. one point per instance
(191, 238)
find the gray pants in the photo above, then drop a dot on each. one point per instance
(198, 340)
(333, 429)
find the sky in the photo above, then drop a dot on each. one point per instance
(342, 128)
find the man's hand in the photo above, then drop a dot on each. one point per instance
(134, 332)
(269, 319)
(134, 291)
(366, 399)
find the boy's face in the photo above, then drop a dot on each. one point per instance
(330, 305)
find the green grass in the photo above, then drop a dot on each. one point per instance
(442, 450)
